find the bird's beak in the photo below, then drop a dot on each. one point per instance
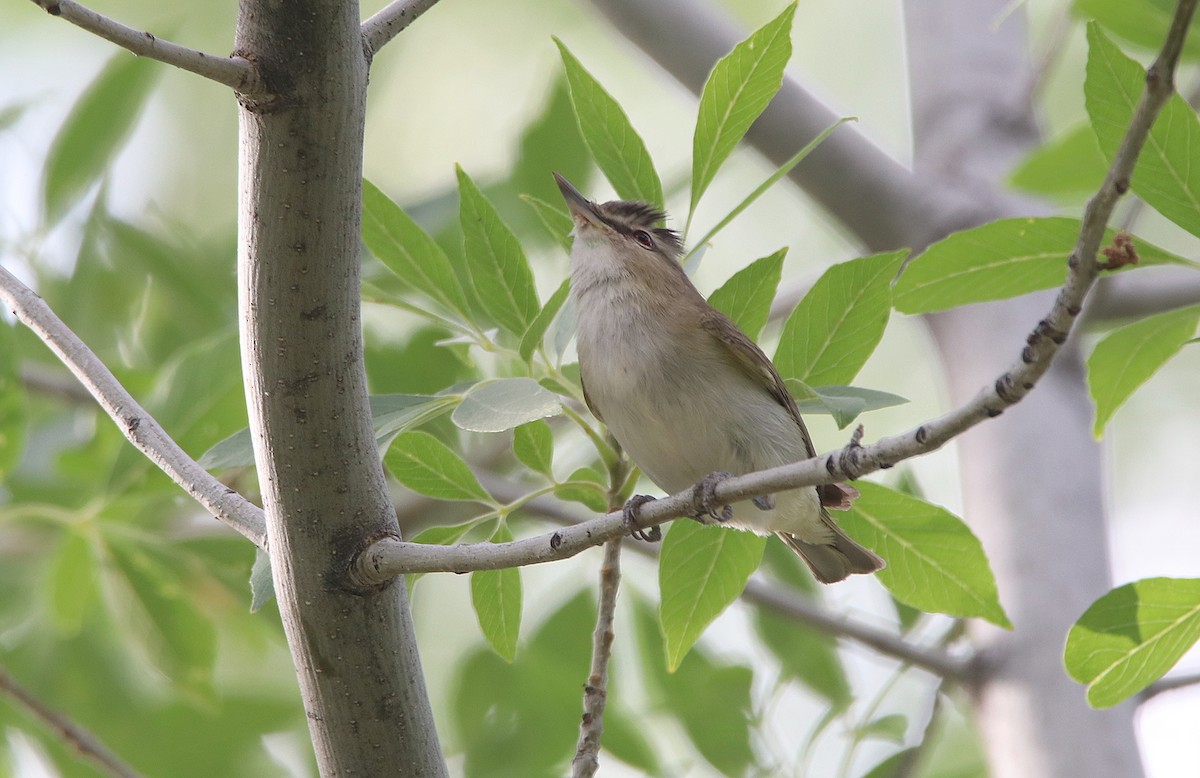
(581, 208)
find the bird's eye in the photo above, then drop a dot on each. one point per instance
(644, 240)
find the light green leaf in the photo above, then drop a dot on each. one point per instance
(533, 444)
(390, 413)
(1066, 168)
(1167, 175)
(700, 245)
(844, 403)
(805, 655)
(1127, 357)
(586, 486)
(933, 561)
(837, 325)
(497, 263)
(496, 596)
(555, 219)
(262, 582)
(890, 727)
(999, 260)
(1131, 636)
(95, 130)
(13, 416)
(746, 297)
(740, 86)
(72, 584)
(408, 251)
(618, 149)
(537, 330)
(427, 466)
(713, 703)
(1143, 23)
(701, 570)
(504, 403)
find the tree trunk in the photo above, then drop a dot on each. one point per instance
(322, 485)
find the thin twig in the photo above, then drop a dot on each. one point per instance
(235, 72)
(85, 743)
(595, 691)
(389, 22)
(137, 425)
(389, 557)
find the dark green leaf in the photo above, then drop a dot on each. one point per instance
(504, 403)
(746, 297)
(13, 417)
(701, 570)
(837, 325)
(95, 130)
(616, 146)
(587, 487)
(1143, 23)
(406, 250)
(844, 403)
(806, 655)
(736, 92)
(890, 727)
(713, 703)
(1127, 357)
(999, 260)
(1167, 175)
(496, 596)
(1131, 636)
(933, 561)
(497, 263)
(424, 464)
(537, 330)
(555, 219)
(533, 444)
(72, 582)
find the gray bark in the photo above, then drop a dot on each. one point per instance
(323, 488)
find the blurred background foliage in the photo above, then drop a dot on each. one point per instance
(124, 606)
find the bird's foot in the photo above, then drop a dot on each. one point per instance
(629, 513)
(765, 503)
(706, 493)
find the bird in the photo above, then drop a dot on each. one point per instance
(690, 397)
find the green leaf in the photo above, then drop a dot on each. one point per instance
(390, 413)
(533, 444)
(1167, 175)
(586, 486)
(713, 702)
(1131, 636)
(837, 325)
(701, 570)
(933, 561)
(262, 582)
(616, 146)
(746, 297)
(497, 263)
(1143, 23)
(805, 655)
(555, 219)
(999, 260)
(72, 585)
(1127, 357)
(740, 86)
(496, 596)
(890, 727)
(699, 246)
(1065, 168)
(13, 415)
(94, 131)
(427, 466)
(504, 403)
(844, 403)
(537, 330)
(176, 636)
(408, 251)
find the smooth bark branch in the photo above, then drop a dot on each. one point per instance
(763, 593)
(135, 423)
(390, 21)
(75, 736)
(235, 72)
(595, 691)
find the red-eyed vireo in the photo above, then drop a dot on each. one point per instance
(686, 393)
